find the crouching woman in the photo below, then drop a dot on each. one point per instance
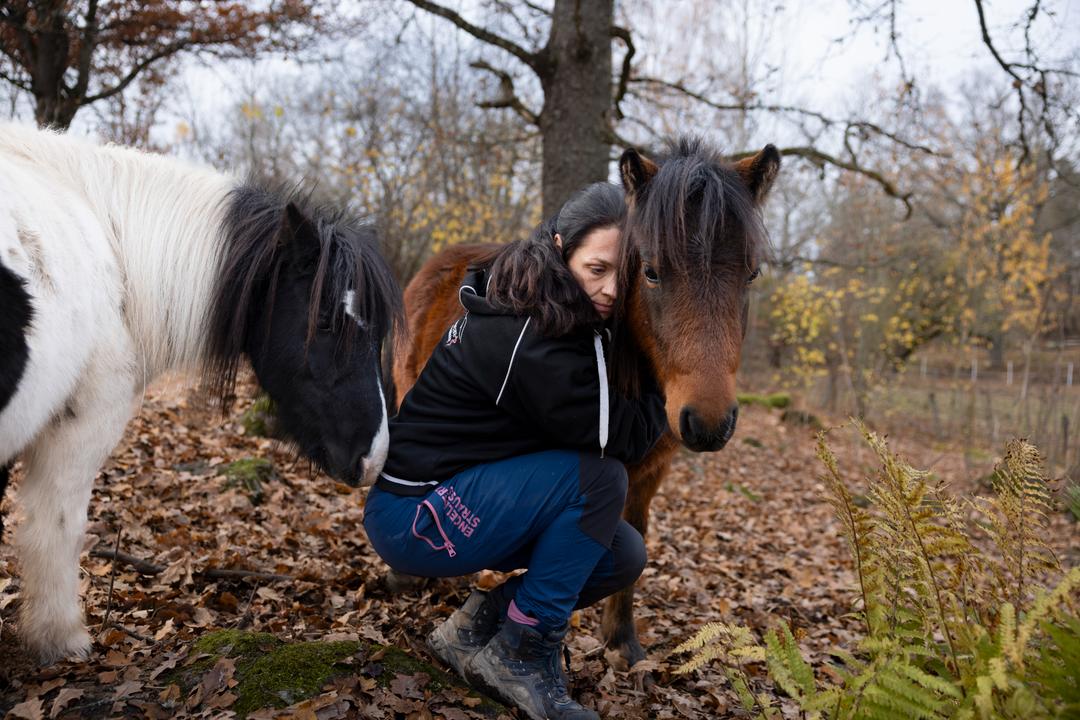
(508, 453)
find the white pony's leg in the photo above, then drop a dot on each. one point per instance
(60, 467)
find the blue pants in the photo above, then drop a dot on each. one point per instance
(556, 513)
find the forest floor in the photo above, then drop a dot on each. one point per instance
(744, 535)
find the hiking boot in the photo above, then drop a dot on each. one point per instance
(467, 631)
(520, 666)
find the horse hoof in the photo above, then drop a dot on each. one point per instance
(623, 656)
(398, 583)
(74, 645)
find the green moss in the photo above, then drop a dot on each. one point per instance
(753, 442)
(250, 474)
(290, 673)
(273, 673)
(778, 400)
(260, 420)
(233, 643)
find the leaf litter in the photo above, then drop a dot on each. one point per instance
(744, 535)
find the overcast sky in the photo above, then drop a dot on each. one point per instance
(822, 64)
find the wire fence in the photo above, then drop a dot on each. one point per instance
(969, 402)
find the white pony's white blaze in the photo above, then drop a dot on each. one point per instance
(99, 236)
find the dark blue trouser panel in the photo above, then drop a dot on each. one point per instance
(556, 513)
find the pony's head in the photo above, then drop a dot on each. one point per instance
(694, 243)
(307, 298)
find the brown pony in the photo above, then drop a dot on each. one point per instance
(693, 242)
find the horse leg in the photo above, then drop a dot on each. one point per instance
(59, 470)
(617, 626)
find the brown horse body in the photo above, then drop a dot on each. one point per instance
(688, 326)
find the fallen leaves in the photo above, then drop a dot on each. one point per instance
(743, 535)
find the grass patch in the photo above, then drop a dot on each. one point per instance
(778, 400)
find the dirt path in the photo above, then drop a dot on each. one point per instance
(742, 535)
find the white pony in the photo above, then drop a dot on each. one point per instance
(116, 266)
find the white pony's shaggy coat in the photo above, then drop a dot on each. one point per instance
(119, 251)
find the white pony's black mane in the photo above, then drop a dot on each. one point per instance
(263, 229)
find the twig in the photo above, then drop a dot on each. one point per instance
(112, 583)
(143, 567)
(223, 574)
(245, 617)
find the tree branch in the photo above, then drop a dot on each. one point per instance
(15, 81)
(990, 44)
(760, 107)
(624, 76)
(1018, 82)
(507, 98)
(821, 159)
(529, 58)
(165, 51)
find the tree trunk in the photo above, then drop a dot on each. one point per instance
(53, 107)
(575, 74)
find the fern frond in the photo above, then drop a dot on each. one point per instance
(858, 527)
(1045, 605)
(786, 664)
(1017, 522)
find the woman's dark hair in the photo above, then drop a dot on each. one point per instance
(531, 277)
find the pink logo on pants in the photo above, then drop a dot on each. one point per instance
(457, 512)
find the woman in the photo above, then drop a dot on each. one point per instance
(508, 453)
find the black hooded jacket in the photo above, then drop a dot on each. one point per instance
(495, 388)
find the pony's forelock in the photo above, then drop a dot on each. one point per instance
(694, 214)
(258, 230)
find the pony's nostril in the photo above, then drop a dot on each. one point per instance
(689, 425)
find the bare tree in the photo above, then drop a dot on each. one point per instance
(68, 54)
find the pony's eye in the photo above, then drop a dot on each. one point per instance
(325, 323)
(651, 276)
(754, 276)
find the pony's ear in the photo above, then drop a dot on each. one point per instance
(293, 221)
(297, 236)
(759, 171)
(636, 170)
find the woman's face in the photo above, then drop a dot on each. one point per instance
(594, 264)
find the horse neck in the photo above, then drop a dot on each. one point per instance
(163, 218)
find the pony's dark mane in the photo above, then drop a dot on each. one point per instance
(694, 218)
(260, 223)
(695, 214)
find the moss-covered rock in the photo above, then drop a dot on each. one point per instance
(273, 673)
(778, 400)
(250, 474)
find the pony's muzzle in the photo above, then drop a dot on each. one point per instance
(699, 436)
